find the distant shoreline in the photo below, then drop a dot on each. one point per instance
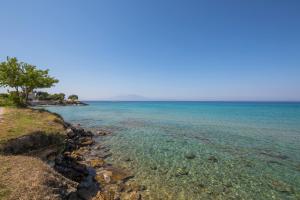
(191, 101)
(57, 103)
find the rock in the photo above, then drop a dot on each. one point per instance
(135, 196)
(153, 167)
(97, 163)
(86, 142)
(88, 134)
(78, 130)
(113, 175)
(99, 196)
(107, 194)
(104, 177)
(84, 193)
(103, 132)
(212, 159)
(104, 155)
(127, 159)
(274, 155)
(76, 156)
(181, 172)
(282, 187)
(70, 133)
(136, 187)
(73, 196)
(190, 155)
(298, 167)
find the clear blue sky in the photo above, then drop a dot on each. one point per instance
(160, 49)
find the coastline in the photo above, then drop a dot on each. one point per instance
(57, 103)
(87, 175)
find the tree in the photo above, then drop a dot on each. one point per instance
(10, 75)
(58, 97)
(33, 78)
(73, 97)
(24, 78)
(42, 95)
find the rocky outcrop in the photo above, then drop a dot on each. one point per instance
(84, 162)
(56, 103)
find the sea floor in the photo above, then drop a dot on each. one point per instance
(186, 166)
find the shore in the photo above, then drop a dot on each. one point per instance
(62, 154)
(57, 103)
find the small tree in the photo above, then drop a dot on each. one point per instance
(10, 76)
(73, 97)
(33, 78)
(24, 78)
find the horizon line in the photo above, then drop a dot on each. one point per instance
(254, 101)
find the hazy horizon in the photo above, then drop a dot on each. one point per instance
(160, 50)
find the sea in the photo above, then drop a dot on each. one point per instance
(200, 150)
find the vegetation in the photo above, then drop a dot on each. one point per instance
(50, 97)
(73, 97)
(25, 176)
(23, 78)
(19, 122)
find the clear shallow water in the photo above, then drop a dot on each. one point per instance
(240, 150)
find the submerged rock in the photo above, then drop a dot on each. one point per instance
(153, 167)
(112, 175)
(127, 159)
(97, 162)
(181, 172)
(274, 155)
(103, 132)
(282, 187)
(190, 155)
(213, 159)
(86, 142)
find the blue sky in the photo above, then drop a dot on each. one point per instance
(160, 50)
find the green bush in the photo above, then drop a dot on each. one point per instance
(11, 99)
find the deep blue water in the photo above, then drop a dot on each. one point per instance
(243, 150)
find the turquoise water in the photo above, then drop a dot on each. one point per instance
(201, 150)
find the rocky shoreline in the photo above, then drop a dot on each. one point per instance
(83, 161)
(57, 103)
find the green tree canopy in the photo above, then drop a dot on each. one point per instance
(24, 78)
(10, 73)
(58, 97)
(42, 95)
(73, 97)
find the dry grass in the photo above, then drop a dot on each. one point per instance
(18, 122)
(24, 177)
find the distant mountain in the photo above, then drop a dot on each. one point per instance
(130, 97)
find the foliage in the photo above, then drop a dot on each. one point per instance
(10, 74)
(23, 78)
(11, 99)
(58, 97)
(46, 96)
(73, 97)
(43, 95)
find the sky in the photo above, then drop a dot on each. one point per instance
(159, 49)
